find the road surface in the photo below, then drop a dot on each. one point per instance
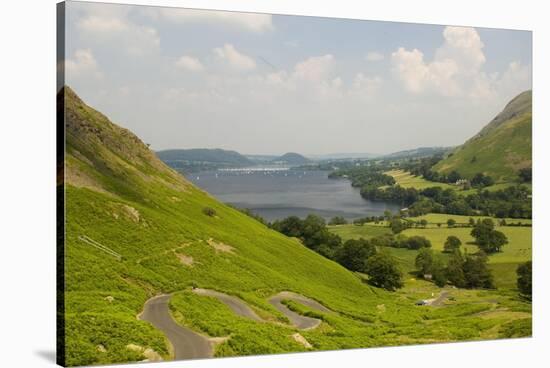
(237, 305)
(439, 300)
(186, 343)
(299, 321)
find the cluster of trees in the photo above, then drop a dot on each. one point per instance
(513, 201)
(338, 220)
(368, 219)
(312, 231)
(359, 255)
(487, 238)
(481, 180)
(389, 240)
(461, 270)
(361, 176)
(396, 194)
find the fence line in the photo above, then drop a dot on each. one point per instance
(99, 246)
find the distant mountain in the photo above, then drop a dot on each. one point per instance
(418, 152)
(189, 160)
(292, 158)
(501, 148)
(343, 156)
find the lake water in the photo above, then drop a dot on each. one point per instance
(279, 194)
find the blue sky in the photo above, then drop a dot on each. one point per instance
(266, 84)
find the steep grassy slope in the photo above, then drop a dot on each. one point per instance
(501, 148)
(120, 195)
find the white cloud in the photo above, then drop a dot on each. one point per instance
(456, 70)
(462, 45)
(410, 68)
(374, 56)
(116, 29)
(189, 63)
(315, 68)
(244, 21)
(366, 86)
(94, 23)
(516, 76)
(82, 64)
(228, 53)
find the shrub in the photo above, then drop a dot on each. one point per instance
(209, 211)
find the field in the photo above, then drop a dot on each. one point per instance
(408, 180)
(441, 218)
(356, 232)
(503, 264)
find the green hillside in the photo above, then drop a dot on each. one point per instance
(136, 228)
(501, 148)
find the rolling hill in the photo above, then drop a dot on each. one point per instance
(135, 228)
(202, 159)
(501, 148)
(292, 158)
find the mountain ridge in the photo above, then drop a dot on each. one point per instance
(500, 149)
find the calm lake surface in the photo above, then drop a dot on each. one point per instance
(279, 194)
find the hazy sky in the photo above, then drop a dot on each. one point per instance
(257, 83)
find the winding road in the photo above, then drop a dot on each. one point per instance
(299, 321)
(186, 343)
(237, 305)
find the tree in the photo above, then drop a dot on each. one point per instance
(439, 274)
(383, 272)
(455, 272)
(497, 240)
(354, 254)
(424, 261)
(451, 222)
(476, 272)
(451, 244)
(487, 238)
(338, 220)
(415, 242)
(424, 222)
(525, 274)
(453, 177)
(397, 226)
(472, 222)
